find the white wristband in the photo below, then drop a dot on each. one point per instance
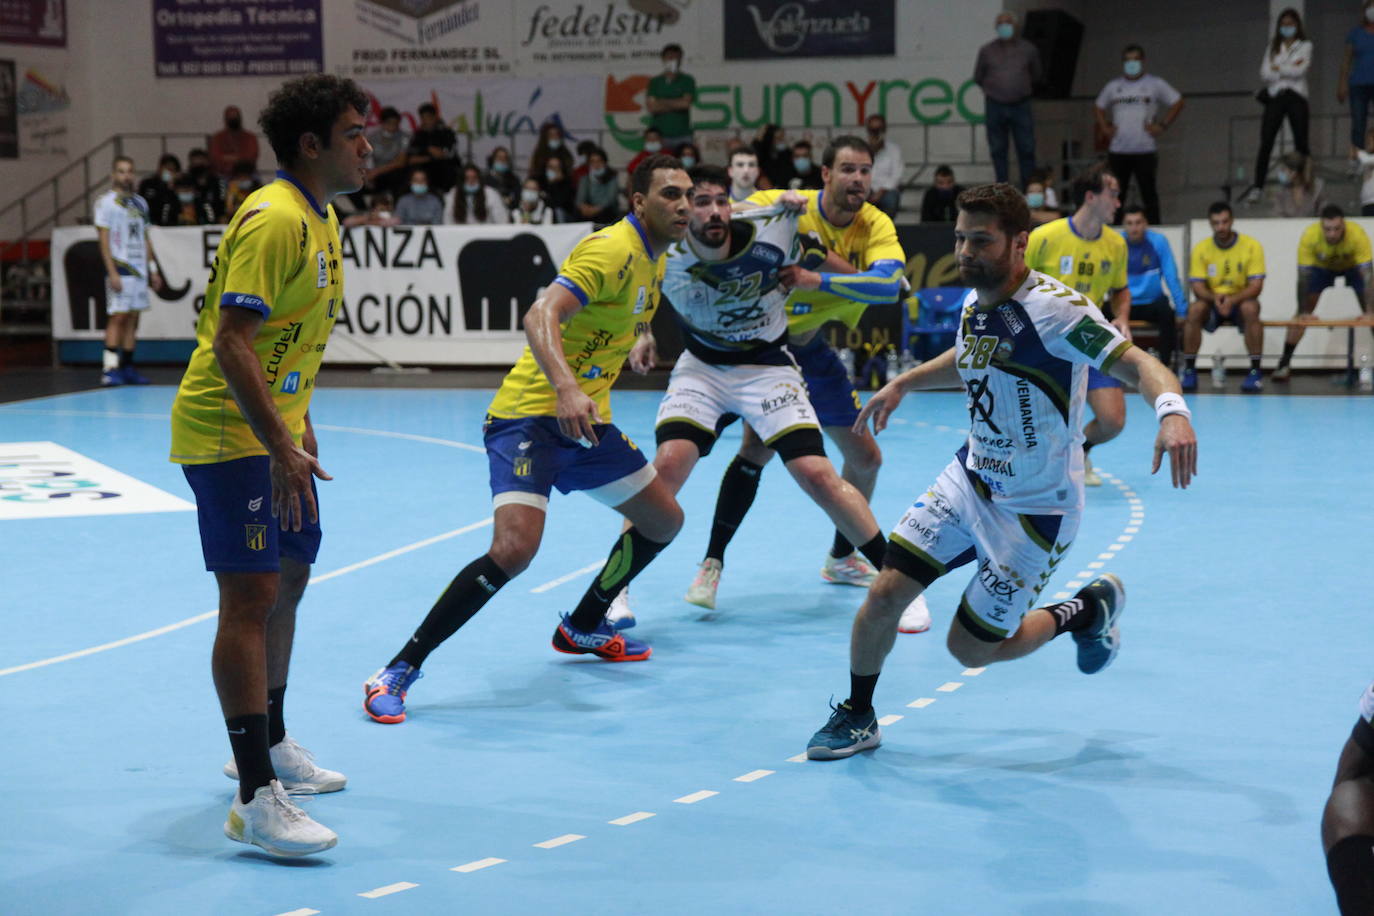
(1168, 403)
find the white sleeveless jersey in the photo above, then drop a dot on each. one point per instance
(127, 220)
(732, 310)
(1024, 365)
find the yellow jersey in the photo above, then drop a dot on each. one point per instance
(1227, 270)
(279, 256)
(616, 275)
(868, 240)
(1351, 251)
(1094, 267)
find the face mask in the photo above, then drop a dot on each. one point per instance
(471, 188)
(500, 167)
(383, 214)
(599, 172)
(233, 123)
(552, 175)
(688, 161)
(1005, 30)
(246, 184)
(555, 143)
(652, 146)
(1284, 178)
(529, 196)
(186, 197)
(671, 65)
(419, 189)
(388, 131)
(801, 163)
(780, 147)
(1035, 200)
(1133, 67)
(167, 177)
(1288, 31)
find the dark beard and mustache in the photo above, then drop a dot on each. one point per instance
(985, 277)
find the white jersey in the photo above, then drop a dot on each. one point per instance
(1024, 364)
(127, 220)
(733, 311)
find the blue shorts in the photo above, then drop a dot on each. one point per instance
(529, 457)
(1320, 278)
(828, 386)
(237, 530)
(1098, 379)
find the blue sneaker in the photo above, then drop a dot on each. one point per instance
(110, 378)
(1189, 379)
(604, 642)
(133, 377)
(1254, 382)
(385, 692)
(1099, 643)
(845, 734)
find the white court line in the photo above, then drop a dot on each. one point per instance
(477, 865)
(554, 583)
(798, 758)
(629, 819)
(303, 911)
(754, 775)
(1073, 583)
(408, 436)
(129, 640)
(949, 686)
(557, 841)
(973, 672)
(922, 703)
(1060, 596)
(389, 889)
(1096, 564)
(889, 720)
(695, 797)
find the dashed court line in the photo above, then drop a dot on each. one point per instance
(557, 841)
(754, 775)
(629, 819)
(388, 890)
(303, 911)
(695, 797)
(478, 865)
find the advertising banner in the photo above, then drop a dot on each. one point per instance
(412, 294)
(594, 35)
(230, 38)
(33, 22)
(399, 39)
(42, 102)
(784, 29)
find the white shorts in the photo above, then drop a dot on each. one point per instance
(772, 399)
(133, 297)
(951, 524)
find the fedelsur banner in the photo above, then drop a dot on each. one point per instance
(774, 29)
(412, 294)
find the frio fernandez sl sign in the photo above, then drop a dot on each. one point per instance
(771, 29)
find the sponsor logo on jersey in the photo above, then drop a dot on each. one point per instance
(640, 300)
(1026, 413)
(1066, 264)
(1088, 337)
(992, 465)
(1014, 323)
(291, 383)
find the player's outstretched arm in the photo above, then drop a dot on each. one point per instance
(1162, 391)
(939, 372)
(577, 413)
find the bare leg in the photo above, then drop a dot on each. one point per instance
(875, 626)
(1037, 628)
(844, 504)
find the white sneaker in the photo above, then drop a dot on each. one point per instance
(916, 617)
(851, 570)
(619, 614)
(703, 590)
(1367, 378)
(1281, 374)
(273, 822)
(295, 767)
(1090, 476)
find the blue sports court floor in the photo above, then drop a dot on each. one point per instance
(1187, 778)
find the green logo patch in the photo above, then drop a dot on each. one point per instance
(1088, 337)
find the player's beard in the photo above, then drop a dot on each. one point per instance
(985, 276)
(706, 241)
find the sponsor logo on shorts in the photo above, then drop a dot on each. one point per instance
(524, 445)
(1001, 584)
(783, 396)
(523, 466)
(923, 533)
(255, 504)
(256, 536)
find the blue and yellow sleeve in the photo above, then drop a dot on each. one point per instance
(266, 252)
(1254, 261)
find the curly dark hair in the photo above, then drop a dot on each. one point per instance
(1000, 200)
(307, 105)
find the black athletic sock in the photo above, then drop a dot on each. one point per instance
(1347, 864)
(126, 358)
(738, 487)
(861, 691)
(630, 555)
(1087, 446)
(1189, 360)
(875, 550)
(841, 547)
(276, 723)
(248, 738)
(1255, 363)
(1074, 614)
(463, 598)
(1287, 356)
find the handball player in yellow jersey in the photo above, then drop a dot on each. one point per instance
(241, 430)
(549, 426)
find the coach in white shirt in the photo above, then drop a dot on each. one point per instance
(1127, 111)
(1284, 72)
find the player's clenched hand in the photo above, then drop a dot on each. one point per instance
(1176, 437)
(644, 354)
(880, 407)
(577, 415)
(293, 501)
(793, 200)
(793, 277)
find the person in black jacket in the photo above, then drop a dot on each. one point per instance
(156, 189)
(938, 204)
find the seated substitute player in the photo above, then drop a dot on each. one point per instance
(1330, 248)
(581, 329)
(1348, 821)
(1226, 273)
(844, 223)
(1150, 270)
(723, 281)
(1012, 498)
(241, 429)
(1085, 253)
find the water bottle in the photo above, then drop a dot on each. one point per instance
(908, 361)
(847, 360)
(894, 364)
(1218, 372)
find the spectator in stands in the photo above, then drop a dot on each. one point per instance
(1128, 112)
(208, 184)
(598, 195)
(233, 144)
(584, 149)
(380, 213)
(157, 191)
(243, 180)
(1357, 75)
(1301, 193)
(1006, 70)
(390, 153)
(1365, 162)
(1040, 212)
(1226, 273)
(1046, 177)
(1150, 269)
(775, 157)
(532, 210)
(1330, 248)
(420, 206)
(744, 172)
(937, 206)
(886, 193)
(652, 146)
(191, 209)
(669, 100)
(559, 193)
(476, 203)
(551, 145)
(687, 154)
(805, 172)
(502, 177)
(1284, 72)
(434, 145)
